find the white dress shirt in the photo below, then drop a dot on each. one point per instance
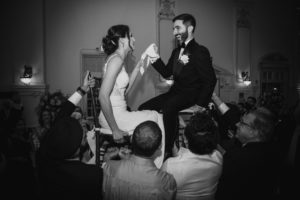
(196, 176)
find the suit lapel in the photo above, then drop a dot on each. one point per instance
(177, 64)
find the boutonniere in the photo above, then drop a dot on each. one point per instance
(184, 59)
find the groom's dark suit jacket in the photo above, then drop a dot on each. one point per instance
(196, 79)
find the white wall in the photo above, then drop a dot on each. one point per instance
(52, 45)
(72, 25)
(214, 28)
(23, 41)
(22, 37)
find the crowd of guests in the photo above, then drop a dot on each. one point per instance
(16, 169)
(234, 151)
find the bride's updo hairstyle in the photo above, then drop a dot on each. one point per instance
(110, 42)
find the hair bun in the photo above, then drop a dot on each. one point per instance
(110, 42)
(109, 45)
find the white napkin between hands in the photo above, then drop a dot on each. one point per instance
(150, 52)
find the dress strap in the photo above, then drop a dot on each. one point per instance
(113, 55)
(108, 59)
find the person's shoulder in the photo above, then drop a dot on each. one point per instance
(114, 165)
(200, 47)
(115, 59)
(112, 162)
(167, 180)
(175, 50)
(174, 162)
(165, 174)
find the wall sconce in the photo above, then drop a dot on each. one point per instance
(27, 75)
(246, 78)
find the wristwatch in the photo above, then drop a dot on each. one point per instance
(81, 91)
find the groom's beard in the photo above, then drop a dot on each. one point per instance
(183, 36)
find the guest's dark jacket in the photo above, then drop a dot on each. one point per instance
(196, 79)
(249, 172)
(66, 179)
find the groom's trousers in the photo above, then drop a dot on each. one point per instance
(169, 104)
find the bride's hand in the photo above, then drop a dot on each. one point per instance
(118, 136)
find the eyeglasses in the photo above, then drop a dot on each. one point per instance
(241, 122)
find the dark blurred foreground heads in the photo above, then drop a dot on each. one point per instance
(63, 139)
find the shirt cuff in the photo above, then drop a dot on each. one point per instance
(75, 98)
(223, 108)
(153, 60)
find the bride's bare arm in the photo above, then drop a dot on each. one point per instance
(134, 75)
(113, 68)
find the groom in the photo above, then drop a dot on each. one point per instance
(193, 74)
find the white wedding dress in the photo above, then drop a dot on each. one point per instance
(128, 120)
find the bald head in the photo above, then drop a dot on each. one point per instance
(146, 139)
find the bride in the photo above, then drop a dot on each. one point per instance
(114, 115)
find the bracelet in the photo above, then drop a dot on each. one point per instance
(81, 91)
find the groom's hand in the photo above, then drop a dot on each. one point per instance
(151, 52)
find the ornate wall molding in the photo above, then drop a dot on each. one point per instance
(242, 40)
(242, 17)
(166, 9)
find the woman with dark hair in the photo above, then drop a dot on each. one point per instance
(114, 116)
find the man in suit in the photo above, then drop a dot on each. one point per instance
(193, 74)
(250, 170)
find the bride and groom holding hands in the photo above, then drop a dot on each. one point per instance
(194, 81)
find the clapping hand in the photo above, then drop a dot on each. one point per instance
(111, 153)
(91, 139)
(124, 153)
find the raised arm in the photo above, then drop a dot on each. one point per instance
(159, 65)
(156, 61)
(222, 107)
(69, 106)
(230, 115)
(113, 68)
